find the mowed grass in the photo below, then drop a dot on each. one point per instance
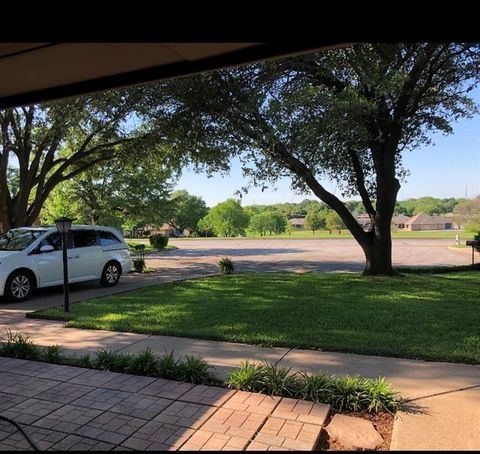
(432, 317)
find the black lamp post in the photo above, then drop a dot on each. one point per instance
(63, 226)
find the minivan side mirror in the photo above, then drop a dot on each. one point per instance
(47, 248)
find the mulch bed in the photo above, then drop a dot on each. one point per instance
(383, 423)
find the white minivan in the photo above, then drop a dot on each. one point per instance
(31, 257)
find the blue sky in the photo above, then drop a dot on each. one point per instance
(440, 170)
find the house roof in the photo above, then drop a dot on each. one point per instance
(401, 219)
(423, 218)
(39, 72)
(297, 220)
(164, 226)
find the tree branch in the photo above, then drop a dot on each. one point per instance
(360, 180)
(300, 169)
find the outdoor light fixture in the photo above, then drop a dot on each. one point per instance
(63, 226)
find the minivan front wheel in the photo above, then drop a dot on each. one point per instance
(111, 274)
(19, 286)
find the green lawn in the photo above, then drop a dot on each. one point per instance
(434, 317)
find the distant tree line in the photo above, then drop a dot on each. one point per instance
(132, 195)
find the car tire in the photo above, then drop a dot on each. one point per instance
(111, 274)
(19, 286)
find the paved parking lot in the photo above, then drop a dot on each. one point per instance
(299, 255)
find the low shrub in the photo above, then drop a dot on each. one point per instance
(279, 381)
(52, 354)
(167, 366)
(18, 345)
(158, 241)
(194, 369)
(85, 360)
(379, 395)
(248, 378)
(477, 238)
(143, 363)
(226, 265)
(112, 361)
(138, 265)
(316, 387)
(345, 393)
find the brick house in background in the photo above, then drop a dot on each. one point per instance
(400, 221)
(423, 221)
(166, 229)
(298, 223)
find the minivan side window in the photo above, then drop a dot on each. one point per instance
(54, 240)
(108, 238)
(84, 238)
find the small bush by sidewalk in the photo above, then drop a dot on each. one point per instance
(192, 369)
(138, 265)
(345, 393)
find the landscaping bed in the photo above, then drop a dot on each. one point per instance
(343, 312)
(370, 399)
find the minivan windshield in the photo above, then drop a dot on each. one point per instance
(18, 239)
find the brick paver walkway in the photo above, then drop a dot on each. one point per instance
(71, 408)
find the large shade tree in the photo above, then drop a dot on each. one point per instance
(346, 114)
(185, 210)
(127, 193)
(43, 145)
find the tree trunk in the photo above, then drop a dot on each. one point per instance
(378, 255)
(4, 221)
(378, 247)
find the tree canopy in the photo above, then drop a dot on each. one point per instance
(226, 219)
(186, 210)
(467, 214)
(346, 114)
(333, 222)
(315, 220)
(51, 143)
(270, 221)
(120, 193)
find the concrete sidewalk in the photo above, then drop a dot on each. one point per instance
(444, 398)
